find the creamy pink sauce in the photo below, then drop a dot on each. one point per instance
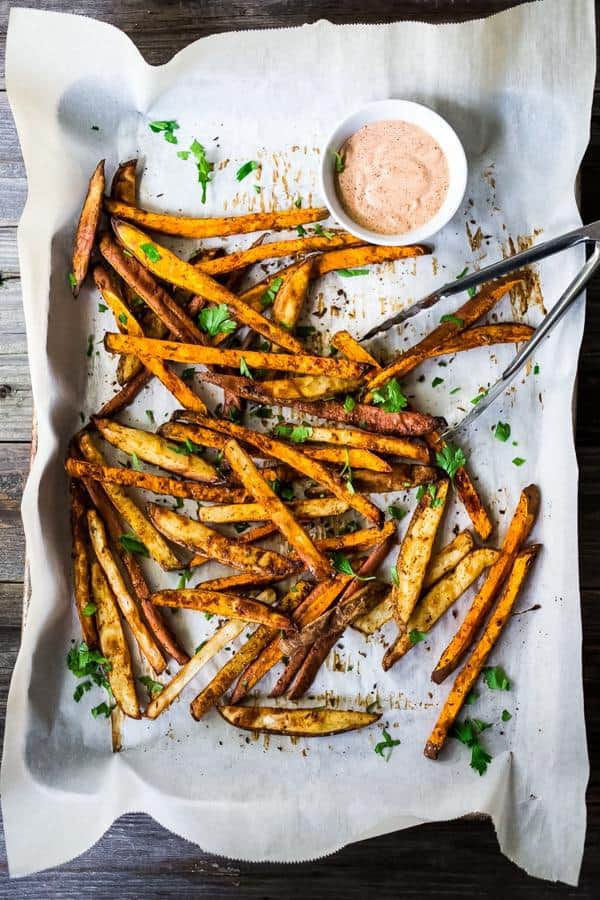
(395, 177)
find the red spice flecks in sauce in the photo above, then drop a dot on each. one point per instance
(395, 177)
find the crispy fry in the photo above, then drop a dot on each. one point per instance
(129, 365)
(519, 568)
(161, 484)
(348, 456)
(292, 457)
(217, 642)
(113, 644)
(142, 283)
(123, 187)
(469, 312)
(213, 356)
(232, 582)
(221, 604)
(483, 336)
(260, 512)
(275, 250)
(87, 227)
(408, 448)
(127, 394)
(276, 510)
(126, 603)
(312, 722)
(307, 387)
(351, 349)
(402, 477)
(153, 617)
(188, 227)
(292, 294)
(156, 450)
(157, 547)
(174, 270)
(210, 543)
(203, 437)
(81, 564)
(518, 531)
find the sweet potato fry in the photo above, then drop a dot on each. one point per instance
(233, 582)
(153, 617)
(291, 295)
(220, 604)
(476, 307)
(275, 250)
(153, 448)
(409, 448)
(126, 603)
(87, 227)
(217, 642)
(161, 484)
(164, 264)
(307, 387)
(290, 456)
(141, 281)
(203, 437)
(215, 356)
(245, 470)
(518, 531)
(123, 187)
(351, 349)
(260, 512)
(154, 543)
(348, 456)
(188, 227)
(311, 722)
(81, 565)
(113, 644)
(129, 365)
(210, 543)
(483, 336)
(519, 568)
(127, 394)
(413, 559)
(402, 477)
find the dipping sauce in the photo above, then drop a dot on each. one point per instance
(395, 177)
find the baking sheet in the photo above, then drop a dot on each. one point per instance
(520, 100)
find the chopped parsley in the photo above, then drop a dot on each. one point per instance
(184, 577)
(462, 274)
(89, 609)
(519, 461)
(468, 732)
(502, 431)
(244, 370)
(455, 320)
(203, 166)
(536, 369)
(415, 636)
(506, 716)
(245, 170)
(103, 709)
(437, 380)
(240, 526)
(352, 273)
(150, 252)
(123, 318)
(263, 412)
(135, 461)
(450, 459)
(390, 398)
(394, 576)
(72, 280)
(296, 433)
(496, 679)
(346, 472)
(133, 544)
(349, 403)
(215, 320)
(342, 564)
(82, 688)
(84, 662)
(305, 330)
(257, 188)
(150, 416)
(183, 154)
(298, 202)
(153, 687)
(471, 698)
(396, 512)
(384, 748)
(323, 232)
(454, 391)
(268, 298)
(479, 397)
(283, 490)
(167, 127)
(188, 374)
(338, 161)
(102, 307)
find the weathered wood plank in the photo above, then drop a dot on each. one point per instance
(16, 404)
(9, 258)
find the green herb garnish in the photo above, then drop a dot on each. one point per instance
(496, 679)
(296, 433)
(519, 461)
(150, 252)
(384, 748)
(352, 273)
(89, 609)
(506, 716)
(450, 459)
(502, 431)
(133, 544)
(244, 370)
(415, 636)
(167, 127)
(153, 687)
(338, 161)
(349, 403)
(215, 320)
(390, 398)
(437, 380)
(323, 232)
(268, 298)
(203, 166)
(396, 512)
(188, 374)
(245, 170)
(455, 320)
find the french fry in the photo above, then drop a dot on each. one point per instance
(203, 437)
(290, 456)
(126, 603)
(188, 227)
(153, 448)
(307, 387)
(129, 365)
(440, 564)
(157, 547)
(355, 437)
(276, 510)
(260, 512)
(413, 559)
(311, 722)
(518, 531)
(196, 536)
(81, 565)
(216, 356)
(220, 604)
(233, 582)
(519, 568)
(351, 349)
(275, 250)
(483, 336)
(161, 484)
(87, 227)
(402, 476)
(475, 308)
(142, 283)
(217, 642)
(164, 264)
(113, 644)
(127, 394)
(291, 296)
(153, 617)
(123, 187)
(348, 456)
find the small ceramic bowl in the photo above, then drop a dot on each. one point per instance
(416, 114)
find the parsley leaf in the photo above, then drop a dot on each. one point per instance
(257, 188)
(183, 579)
(82, 688)
(298, 202)
(244, 370)
(480, 758)
(352, 273)
(450, 459)
(396, 512)
(519, 461)
(72, 280)
(167, 127)
(349, 403)
(123, 318)
(150, 252)
(506, 716)
(102, 307)
(283, 490)
(215, 320)
(454, 391)
(338, 161)
(471, 698)
(203, 166)
(150, 415)
(296, 433)
(384, 748)
(415, 636)
(342, 564)
(153, 687)
(437, 380)
(183, 154)
(188, 374)
(103, 709)
(462, 274)
(346, 472)
(468, 732)
(89, 609)
(83, 661)
(245, 170)
(455, 320)
(496, 679)
(536, 369)
(323, 232)
(479, 397)
(390, 398)
(135, 462)
(502, 431)
(268, 298)
(300, 230)
(394, 576)
(131, 543)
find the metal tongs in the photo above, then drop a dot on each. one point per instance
(587, 234)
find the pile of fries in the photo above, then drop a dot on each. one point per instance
(362, 439)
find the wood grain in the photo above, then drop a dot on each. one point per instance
(137, 857)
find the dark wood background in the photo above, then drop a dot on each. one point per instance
(137, 858)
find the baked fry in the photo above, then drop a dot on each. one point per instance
(348, 456)
(519, 568)
(220, 604)
(483, 336)
(275, 250)
(126, 603)
(312, 722)
(518, 531)
(291, 295)
(81, 565)
(355, 437)
(351, 349)
(123, 186)
(233, 582)
(87, 227)
(308, 387)
(260, 512)
(127, 394)
(113, 645)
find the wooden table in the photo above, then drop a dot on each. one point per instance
(137, 857)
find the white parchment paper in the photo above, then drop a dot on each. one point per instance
(517, 87)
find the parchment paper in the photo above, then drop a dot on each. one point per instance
(517, 87)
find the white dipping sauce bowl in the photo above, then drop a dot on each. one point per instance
(415, 114)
